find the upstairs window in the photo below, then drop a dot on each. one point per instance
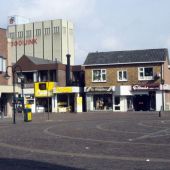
(145, 73)
(99, 75)
(38, 32)
(122, 75)
(20, 34)
(56, 30)
(47, 31)
(28, 33)
(2, 65)
(12, 35)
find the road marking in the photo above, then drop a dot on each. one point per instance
(46, 131)
(165, 132)
(82, 155)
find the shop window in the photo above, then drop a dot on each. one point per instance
(99, 75)
(145, 73)
(122, 75)
(42, 86)
(102, 102)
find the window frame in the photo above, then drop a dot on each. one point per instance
(28, 33)
(122, 71)
(101, 75)
(47, 31)
(20, 34)
(38, 32)
(12, 35)
(56, 30)
(141, 70)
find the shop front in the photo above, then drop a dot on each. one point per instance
(43, 96)
(99, 98)
(67, 99)
(146, 96)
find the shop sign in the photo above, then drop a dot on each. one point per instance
(64, 90)
(43, 89)
(22, 42)
(100, 89)
(146, 87)
(43, 93)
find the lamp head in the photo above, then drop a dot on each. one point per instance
(21, 76)
(6, 75)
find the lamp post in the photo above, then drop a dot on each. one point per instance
(15, 69)
(162, 87)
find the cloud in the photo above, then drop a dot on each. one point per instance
(81, 54)
(52, 9)
(111, 43)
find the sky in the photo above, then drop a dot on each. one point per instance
(101, 25)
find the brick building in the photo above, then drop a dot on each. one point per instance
(3, 62)
(51, 84)
(128, 80)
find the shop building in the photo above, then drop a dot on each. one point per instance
(137, 80)
(46, 88)
(5, 85)
(50, 40)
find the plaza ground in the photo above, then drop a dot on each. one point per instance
(99, 140)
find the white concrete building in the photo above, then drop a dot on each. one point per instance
(51, 39)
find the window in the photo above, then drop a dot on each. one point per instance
(42, 86)
(56, 30)
(99, 75)
(64, 30)
(20, 34)
(2, 64)
(28, 33)
(122, 75)
(145, 73)
(38, 32)
(71, 31)
(47, 31)
(12, 35)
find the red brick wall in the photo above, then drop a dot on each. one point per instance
(3, 52)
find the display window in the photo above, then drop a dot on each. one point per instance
(102, 102)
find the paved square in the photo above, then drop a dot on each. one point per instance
(125, 141)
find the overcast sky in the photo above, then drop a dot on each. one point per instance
(101, 25)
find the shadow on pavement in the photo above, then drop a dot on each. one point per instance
(21, 164)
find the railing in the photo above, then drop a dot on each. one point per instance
(29, 85)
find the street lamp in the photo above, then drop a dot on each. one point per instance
(15, 69)
(162, 86)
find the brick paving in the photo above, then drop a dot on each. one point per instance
(125, 141)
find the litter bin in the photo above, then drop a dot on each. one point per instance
(27, 115)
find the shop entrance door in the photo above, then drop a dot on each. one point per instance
(141, 102)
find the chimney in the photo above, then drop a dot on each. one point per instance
(68, 81)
